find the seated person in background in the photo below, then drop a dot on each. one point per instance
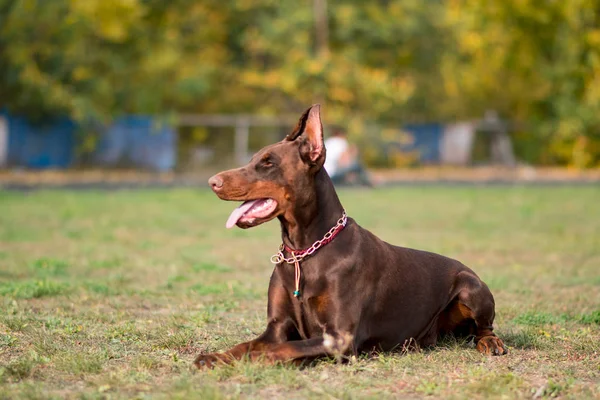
(342, 162)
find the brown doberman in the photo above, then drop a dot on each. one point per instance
(347, 291)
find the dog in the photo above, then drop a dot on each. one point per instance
(336, 288)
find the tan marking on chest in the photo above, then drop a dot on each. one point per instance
(320, 304)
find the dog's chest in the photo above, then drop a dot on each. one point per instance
(310, 310)
(310, 315)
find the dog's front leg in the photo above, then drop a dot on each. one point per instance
(277, 332)
(280, 328)
(330, 344)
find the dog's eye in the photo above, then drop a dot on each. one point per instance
(267, 163)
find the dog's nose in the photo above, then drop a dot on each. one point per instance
(216, 183)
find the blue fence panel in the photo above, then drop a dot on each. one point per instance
(138, 141)
(49, 144)
(427, 140)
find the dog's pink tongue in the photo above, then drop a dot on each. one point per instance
(238, 212)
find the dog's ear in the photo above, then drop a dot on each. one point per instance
(310, 131)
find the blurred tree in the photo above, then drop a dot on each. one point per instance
(536, 62)
(377, 55)
(97, 58)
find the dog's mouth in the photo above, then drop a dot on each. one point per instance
(252, 212)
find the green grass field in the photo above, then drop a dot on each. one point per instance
(111, 295)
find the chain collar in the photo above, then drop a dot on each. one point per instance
(299, 255)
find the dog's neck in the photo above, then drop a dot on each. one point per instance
(309, 222)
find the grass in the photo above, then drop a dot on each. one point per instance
(112, 294)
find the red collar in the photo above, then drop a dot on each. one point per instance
(299, 255)
(319, 243)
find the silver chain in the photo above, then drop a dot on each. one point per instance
(279, 257)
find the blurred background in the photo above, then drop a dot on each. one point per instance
(189, 87)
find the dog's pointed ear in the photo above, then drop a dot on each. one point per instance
(310, 131)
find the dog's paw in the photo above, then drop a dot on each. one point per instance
(491, 346)
(206, 361)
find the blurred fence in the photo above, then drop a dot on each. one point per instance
(192, 141)
(44, 145)
(426, 141)
(130, 141)
(137, 141)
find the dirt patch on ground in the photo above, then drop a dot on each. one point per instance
(488, 174)
(25, 179)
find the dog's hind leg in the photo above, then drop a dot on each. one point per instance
(475, 303)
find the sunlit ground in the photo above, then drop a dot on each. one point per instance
(111, 294)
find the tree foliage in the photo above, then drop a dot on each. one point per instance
(537, 62)
(98, 58)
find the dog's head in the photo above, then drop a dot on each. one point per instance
(278, 178)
